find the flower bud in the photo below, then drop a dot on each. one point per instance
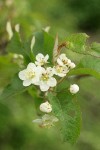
(46, 107)
(74, 88)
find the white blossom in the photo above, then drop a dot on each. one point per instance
(47, 80)
(30, 75)
(46, 121)
(63, 60)
(46, 107)
(61, 71)
(74, 88)
(41, 59)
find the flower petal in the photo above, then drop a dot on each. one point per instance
(31, 66)
(37, 63)
(44, 87)
(22, 74)
(46, 57)
(39, 70)
(62, 56)
(60, 62)
(61, 74)
(39, 57)
(35, 80)
(27, 82)
(50, 71)
(52, 82)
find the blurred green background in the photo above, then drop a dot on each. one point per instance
(17, 132)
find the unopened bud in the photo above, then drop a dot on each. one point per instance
(46, 107)
(74, 88)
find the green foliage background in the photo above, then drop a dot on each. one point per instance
(17, 132)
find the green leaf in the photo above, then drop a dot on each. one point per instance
(89, 66)
(67, 109)
(16, 46)
(14, 88)
(7, 69)
(38, 99)
(84, 71)
(94, 49)
(44, 44)
(95, 46)
(90, 62)
(77, 42)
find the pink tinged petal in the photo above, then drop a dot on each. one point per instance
(52, 82)
(27, 82)
(22, 74)
(44, 87)
(39, 57)
(60, 62)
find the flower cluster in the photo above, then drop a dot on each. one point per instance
(63, 66)
(38, 74)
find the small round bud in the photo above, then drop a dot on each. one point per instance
(74, 88)
(46, 107)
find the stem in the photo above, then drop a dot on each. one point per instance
(61, 80)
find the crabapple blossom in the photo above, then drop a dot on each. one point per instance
(41, 59)
(47, 80)
(74, 88)
(63, 60)
(46, 107)
(61, 71)
(30, 75)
